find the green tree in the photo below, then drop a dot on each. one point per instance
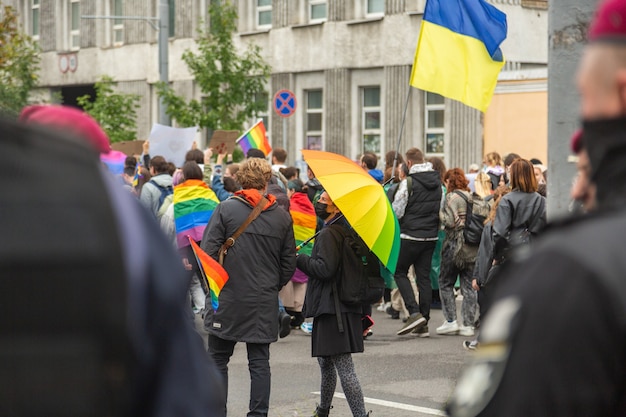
(115, 112)
(19, 64)
(230, 83)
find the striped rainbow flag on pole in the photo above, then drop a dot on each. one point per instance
(194, 203)
(255, 138)
(213, 274)
(304, 220)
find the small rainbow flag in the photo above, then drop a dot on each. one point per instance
(114, 160)
(194, 203)
(215, 276)
(304, 220)
(255, 138)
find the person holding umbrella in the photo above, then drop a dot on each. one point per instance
(332, 347)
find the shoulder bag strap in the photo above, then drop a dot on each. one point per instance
(231, 240)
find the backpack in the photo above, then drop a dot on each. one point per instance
(164, 198)
(361, 281)
(476, 214)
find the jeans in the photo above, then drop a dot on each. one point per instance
(258, 365)
(447, 278)
(419, 254)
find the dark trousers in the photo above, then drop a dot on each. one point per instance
(258, 365)
(419, 254)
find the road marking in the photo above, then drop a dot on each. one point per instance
(392, 404)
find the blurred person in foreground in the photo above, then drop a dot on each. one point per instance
(554, 341)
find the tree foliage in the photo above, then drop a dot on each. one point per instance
(115, 112)
(19, 63)
(230, 83)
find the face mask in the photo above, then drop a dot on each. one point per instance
(320, 210)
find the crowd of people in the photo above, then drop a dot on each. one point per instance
(527, 288)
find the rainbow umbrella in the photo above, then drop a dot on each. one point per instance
(362, 201)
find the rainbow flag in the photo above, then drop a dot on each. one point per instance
(255, 138)
(304, 220)
(194, 203)
(458, 52)
(213, 274)
(114, 160)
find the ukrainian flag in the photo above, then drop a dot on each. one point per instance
(458, 52)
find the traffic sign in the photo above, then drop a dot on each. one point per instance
(284, 103)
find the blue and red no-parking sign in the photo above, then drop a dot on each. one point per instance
(284, 103)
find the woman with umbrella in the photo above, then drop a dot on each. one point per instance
(332, 348)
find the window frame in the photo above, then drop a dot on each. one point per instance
(313, 110)
(368, 14)
(73, 33)
(257, 13)
(434, 130)
(311, 4)
(35, 9)
(117, 25)
(365, 131)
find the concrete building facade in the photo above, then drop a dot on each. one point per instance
(348, 63)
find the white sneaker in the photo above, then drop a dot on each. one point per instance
(307, 327)
(383, 306)
(466, 331)
(448, 327)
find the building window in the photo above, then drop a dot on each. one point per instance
(263, 14)
(118, 24)
(317, 11)
(374, 7)
(434, 122)
(74, 24)
(370, 119)
(172, 18)
(34, 19)
(314, 119)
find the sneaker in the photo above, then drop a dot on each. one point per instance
(421, 332)
(415, 320)
(448, 327)
(383, 306)
(466, 331)
(395, 314)
(367, 333)
(470, 344)
(307, 327)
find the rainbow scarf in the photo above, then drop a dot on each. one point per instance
(304, 220)
(194, 203)
(213, 274)
(255, 138)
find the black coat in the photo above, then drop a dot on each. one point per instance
(259, 264)
(323, 267)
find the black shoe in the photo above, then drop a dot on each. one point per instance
(284, 321)
(395, 314)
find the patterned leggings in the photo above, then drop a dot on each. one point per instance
(349, 382)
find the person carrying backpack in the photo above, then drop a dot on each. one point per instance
(156, 191)
(332, 347)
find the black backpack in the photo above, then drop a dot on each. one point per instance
(361, 282)
(63, 312)
(476, 214)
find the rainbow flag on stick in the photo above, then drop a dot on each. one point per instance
(255, 138)
(458, 52)
(194, 203)
(213, 274)
(304, 220)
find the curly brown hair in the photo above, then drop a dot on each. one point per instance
(456, 180)
(254, 173)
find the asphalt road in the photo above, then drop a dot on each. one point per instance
(400, 375)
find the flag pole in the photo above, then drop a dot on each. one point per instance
(395, 158)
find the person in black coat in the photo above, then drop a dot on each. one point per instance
(332, 347)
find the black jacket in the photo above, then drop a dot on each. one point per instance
(421, 216)
(323, 267)
(259, 264)
(517, 211)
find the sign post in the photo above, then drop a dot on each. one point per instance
(284, 103)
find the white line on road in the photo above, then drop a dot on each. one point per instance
(393, 404)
